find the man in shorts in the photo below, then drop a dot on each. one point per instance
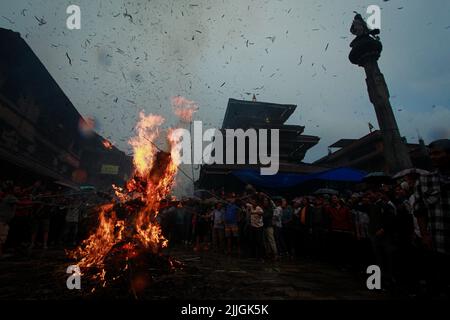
(231, 219)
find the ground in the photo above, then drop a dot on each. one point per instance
(204, 276)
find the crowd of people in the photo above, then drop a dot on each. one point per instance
(373, 227)
(402, 226)
(43, 215)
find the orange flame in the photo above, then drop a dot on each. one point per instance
(151, 183)
(142, 144)
(184, 108)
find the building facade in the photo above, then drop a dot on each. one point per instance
(40, 136)
(367, 153)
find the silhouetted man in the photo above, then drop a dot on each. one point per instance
(432, 209)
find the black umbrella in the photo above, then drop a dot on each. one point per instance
(406, 172)
(326, 191)
(377, 178)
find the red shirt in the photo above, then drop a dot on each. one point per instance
(341, 218)
(24, 207)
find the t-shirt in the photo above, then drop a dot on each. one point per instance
(24, 208)
(286, 214)
(218, 219)
(341, 218)
(231, 214)
(257, 217)
(276, 220)
(362, 221)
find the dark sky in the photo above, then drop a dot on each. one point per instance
(134, 55)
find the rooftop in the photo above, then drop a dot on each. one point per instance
(242, 114)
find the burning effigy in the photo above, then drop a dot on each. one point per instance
(126, 245)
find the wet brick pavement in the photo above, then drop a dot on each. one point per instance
(205, 276)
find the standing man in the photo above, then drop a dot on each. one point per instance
(218, 228)
(432, 209)
(277, 228)
(319, 225)
(256, 229)
(180, 213)
(341, 235)
(287, 220)
(304, 230)
(72, 219)
(8, 207)
(231, 219)
(40, 217)
(269, 238)
(381, 231)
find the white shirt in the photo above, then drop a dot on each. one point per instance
(257, 217)
(276, 220)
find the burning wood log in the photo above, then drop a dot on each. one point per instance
(162, 162)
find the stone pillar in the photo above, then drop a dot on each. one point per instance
(365, 53)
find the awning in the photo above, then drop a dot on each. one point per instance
(287, 180)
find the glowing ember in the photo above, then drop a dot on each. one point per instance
(107, 144)
(128, 228)
(86, 126)
(184, 108)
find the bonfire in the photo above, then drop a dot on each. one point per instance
(126, 245)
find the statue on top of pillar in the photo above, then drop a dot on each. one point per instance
(359, 28)
(366, 42)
